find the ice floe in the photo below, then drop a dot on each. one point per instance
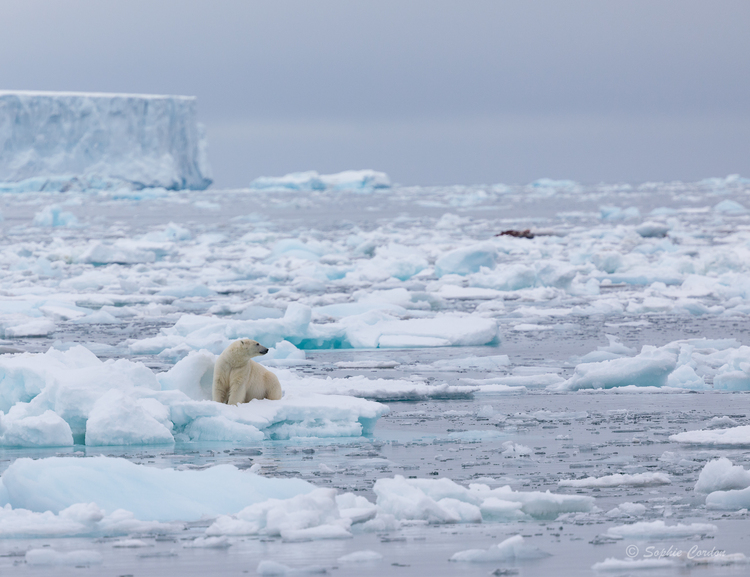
(619, 480)
(660, 530)
(444, 501)
(511, 549)
(686, 364)
(59, 398)
(732, 436)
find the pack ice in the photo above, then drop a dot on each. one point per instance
(70, 496)
(55, 141)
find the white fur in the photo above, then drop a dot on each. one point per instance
(238, 379)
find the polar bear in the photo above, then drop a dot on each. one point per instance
(237, 379)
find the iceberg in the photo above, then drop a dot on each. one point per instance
(356, 180)
(57, 141)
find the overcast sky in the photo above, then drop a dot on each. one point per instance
(431, 92)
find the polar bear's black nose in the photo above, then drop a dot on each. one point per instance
(263, 350)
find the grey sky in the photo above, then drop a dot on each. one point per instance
(432, 92)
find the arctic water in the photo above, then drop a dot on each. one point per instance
(571, 401)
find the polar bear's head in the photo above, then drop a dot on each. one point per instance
(250, 348)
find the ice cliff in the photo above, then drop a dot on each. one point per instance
(62, 140)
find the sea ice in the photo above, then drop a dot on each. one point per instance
(721, 475)
(58, 397)
(444, 501)
(660, 530)
(511, 549)
(732, 436)
(618, 480)
(57, 483)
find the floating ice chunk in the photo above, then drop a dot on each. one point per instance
(721, 475)
(105, 141)
(619, 480)
(364, 556)
(45, 430)
(511, 549)
(614, 213)
(209, 543)
(627, 510)
(731, 500)
(660, 530)
(55, 483)
(18, 523)
(120, 252)
(513, 383)
(730, 207)
(485, 411)
(119, 420)
(383, 522)
(442, 330)
(681, 559)
(734, 436)
(511, 449)
(467, 260)
(652, 229)
(62, 313)
(649, 369)
(41, 327)
(311, 516)
(391, 261)
(49, 556)
(721, 422)
(100, 317)
(53, 215)
(423, 499)
(531, 327)
(130, 544)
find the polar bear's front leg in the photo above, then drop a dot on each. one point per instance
(236, 395)
(238, 379)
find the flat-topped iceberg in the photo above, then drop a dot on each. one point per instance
(56, 141)
(356, 180)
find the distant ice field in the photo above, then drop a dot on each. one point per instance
(455, 400)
